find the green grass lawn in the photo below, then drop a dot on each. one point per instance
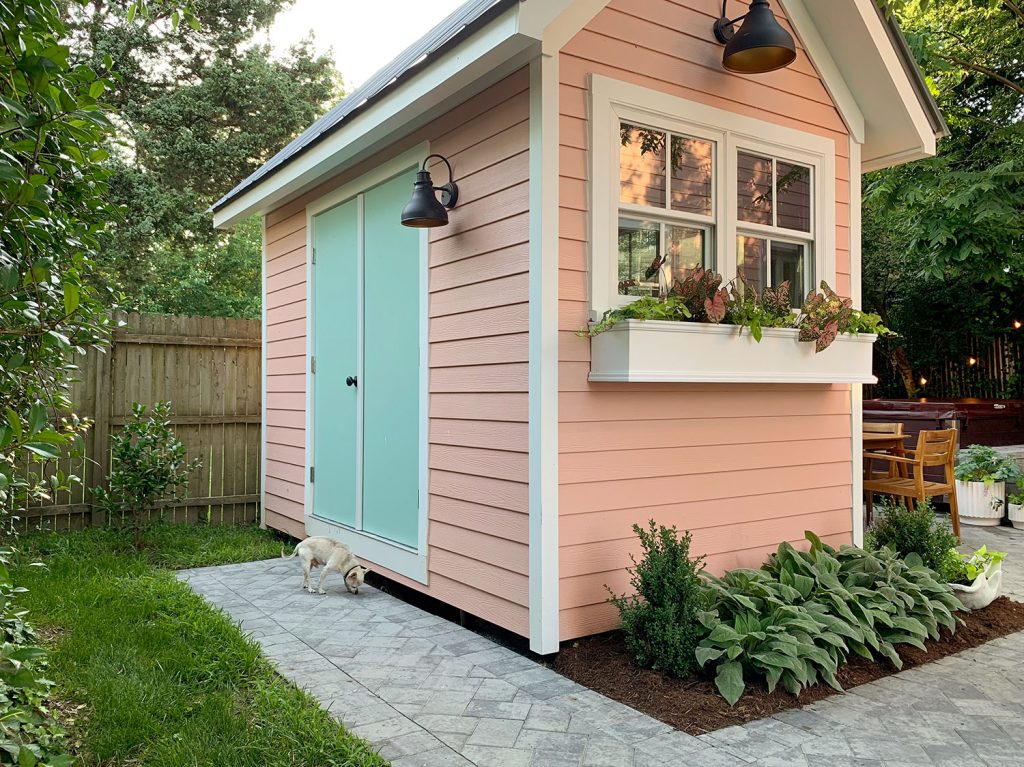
(166, 679)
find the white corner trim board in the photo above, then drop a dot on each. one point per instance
(543, 356)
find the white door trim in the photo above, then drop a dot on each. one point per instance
(403, 560)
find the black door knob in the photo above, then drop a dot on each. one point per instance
(351, 381)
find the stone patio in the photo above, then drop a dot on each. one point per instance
(428, 692)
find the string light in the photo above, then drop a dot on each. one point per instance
(972, 361)
(1017, 324)
(923, 381)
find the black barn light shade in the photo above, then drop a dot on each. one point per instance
(759, 45)
(424, 210)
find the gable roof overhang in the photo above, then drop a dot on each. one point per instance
(862, 57)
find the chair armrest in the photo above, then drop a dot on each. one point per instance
(891, 458)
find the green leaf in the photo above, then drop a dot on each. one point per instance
(729, 681)
(705, 654)
(37, 418)
(42, 449)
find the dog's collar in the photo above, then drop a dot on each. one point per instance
(347, 574)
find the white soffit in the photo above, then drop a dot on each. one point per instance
(896, 125)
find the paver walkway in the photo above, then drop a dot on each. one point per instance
(428, 692)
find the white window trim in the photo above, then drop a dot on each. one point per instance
(404, 560)
(614, 101)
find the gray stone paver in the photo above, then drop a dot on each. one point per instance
(428, 693)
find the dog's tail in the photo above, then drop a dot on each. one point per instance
(295, 552)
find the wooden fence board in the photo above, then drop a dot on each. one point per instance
(209, 369)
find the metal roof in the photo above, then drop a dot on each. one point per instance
(462, 23)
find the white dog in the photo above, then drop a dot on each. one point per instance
(332, 555)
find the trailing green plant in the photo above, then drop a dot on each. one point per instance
(981, 463)
(965, 568)
(770, 310)
(1016, 499)
(660, 620)
(798, 619)
(913, 531)
(148, 464)
(671, 309)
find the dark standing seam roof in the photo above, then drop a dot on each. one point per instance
(461, 24)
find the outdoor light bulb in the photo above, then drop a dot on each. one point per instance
(972, 361)
(1017, 324)
(923, 381)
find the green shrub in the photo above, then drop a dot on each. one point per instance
(918, 532)
(660, 621)
(800, 617)
(148, 465)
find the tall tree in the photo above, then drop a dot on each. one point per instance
(944, 238)
(200, 108)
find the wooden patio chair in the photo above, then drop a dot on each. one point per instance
(894, 430)
(934, 448)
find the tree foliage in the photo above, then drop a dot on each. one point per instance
(54, 206)
(943, 237)
(200, 108)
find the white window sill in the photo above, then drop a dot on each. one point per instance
(657, 351)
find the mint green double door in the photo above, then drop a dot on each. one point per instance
(368, 292)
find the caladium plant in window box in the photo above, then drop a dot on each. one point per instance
(696, 333)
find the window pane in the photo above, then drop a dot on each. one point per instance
(687, 246)
(642, 166)
(752, 261)
(789, 262)
(754, 186)
(794, 196)
(691, 175)
(639, 246)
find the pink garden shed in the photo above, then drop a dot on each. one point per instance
(428, 398)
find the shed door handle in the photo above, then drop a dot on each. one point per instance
(352, 381)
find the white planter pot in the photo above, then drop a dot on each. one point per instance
(980, 504)
(983, 591)
(1017, 515)
(656, 351)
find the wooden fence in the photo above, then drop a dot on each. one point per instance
(997, 372)
(209, 369)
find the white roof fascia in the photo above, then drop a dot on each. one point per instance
(822, 60)
(489, 55)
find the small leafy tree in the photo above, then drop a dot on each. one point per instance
(660, 621)
(148, 465)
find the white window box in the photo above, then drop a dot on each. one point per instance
(657, 351)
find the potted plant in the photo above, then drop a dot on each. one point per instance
(976, 578)
(1017, 510)
(981, 476)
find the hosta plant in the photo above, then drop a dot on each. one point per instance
(798, 619)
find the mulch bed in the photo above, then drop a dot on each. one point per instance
(694, 705)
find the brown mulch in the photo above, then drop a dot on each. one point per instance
(694, 705)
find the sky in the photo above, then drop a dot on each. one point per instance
(364, 36)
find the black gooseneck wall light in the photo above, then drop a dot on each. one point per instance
(759, 45)
(424, 210)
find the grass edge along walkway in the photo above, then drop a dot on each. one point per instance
(166, 678)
